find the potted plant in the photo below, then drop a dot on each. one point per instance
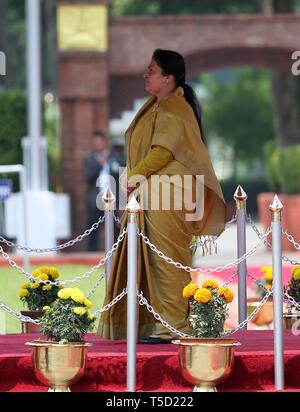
(60, 361)
(293, 289)
(36, 295)
(265, 315)
(206, 358)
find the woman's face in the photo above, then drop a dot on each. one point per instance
(155, 81)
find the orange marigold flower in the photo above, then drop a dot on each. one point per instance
(202, 295)
(227, 294)
(210, 283)
(189, 290)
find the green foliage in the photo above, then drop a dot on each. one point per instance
(238, 110)
(12, 126)
(38, 298)
(162, 7)
(293, 289)
(271, 156)
(289, 169)
(282, 167)
(51, 113)
(36, 295)
(252, 186)
(61, 323)
(208, 308)
(9, 278)
(207, 319)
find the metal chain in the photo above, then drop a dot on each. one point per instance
(256, 281)
(208, 270)
(143, 301)
(116, 219)
(250, 317)
(232, 220)
(269, 246)
(112, 303)
(230, 279)
(291, 239)
(65, 282)
(93, 290)
(291, 300)
(72, 242)
(18, 315)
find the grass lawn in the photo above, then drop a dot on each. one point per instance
(11, 280)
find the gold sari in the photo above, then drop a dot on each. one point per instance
(171, 124)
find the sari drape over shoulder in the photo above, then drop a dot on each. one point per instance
(169, 123)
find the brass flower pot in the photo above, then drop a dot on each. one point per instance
(29, 327)
(206, 362)
(290, 319)
(265, 313)
(58, 365)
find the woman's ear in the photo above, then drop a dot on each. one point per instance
(170, 79)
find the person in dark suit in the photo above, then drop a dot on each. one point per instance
(101, 169)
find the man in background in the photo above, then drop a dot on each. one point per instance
(100, 166)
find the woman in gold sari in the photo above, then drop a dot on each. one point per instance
(165, 142)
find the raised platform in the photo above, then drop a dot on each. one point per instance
(157, 366)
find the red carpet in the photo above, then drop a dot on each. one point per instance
(157, 366)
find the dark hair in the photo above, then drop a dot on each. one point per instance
(172, 62)
(99, 133)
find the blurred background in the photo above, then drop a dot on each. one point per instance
(88, 76)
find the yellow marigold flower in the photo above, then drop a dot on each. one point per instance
(227, 294)
(269, 276)
(296, 276)
(25, 286)
(295, 269)
(23, 293)
(64, 293)
(268, 286)
(34, 285)
(79, 310)
(210, 283)
(47, 287)
(296, 272)
(87, 303)
(44, 269)
(189, 290)
(36, 273)
(43, 276)
(77, 295)
(46, 307)
(89, 315)
(265, 269)
(202, 295)
(53, 272)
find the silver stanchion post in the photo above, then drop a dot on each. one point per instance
(133, 209)
(276, 209)
(240, 198)
(108, 199)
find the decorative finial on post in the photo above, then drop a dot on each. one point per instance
(240, 197)
(108, 199)
(276, 208)
(133, 209)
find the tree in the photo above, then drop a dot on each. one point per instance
(163, 7)
(285, 89)
(239, 112)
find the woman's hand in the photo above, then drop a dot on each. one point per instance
(126, 187)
